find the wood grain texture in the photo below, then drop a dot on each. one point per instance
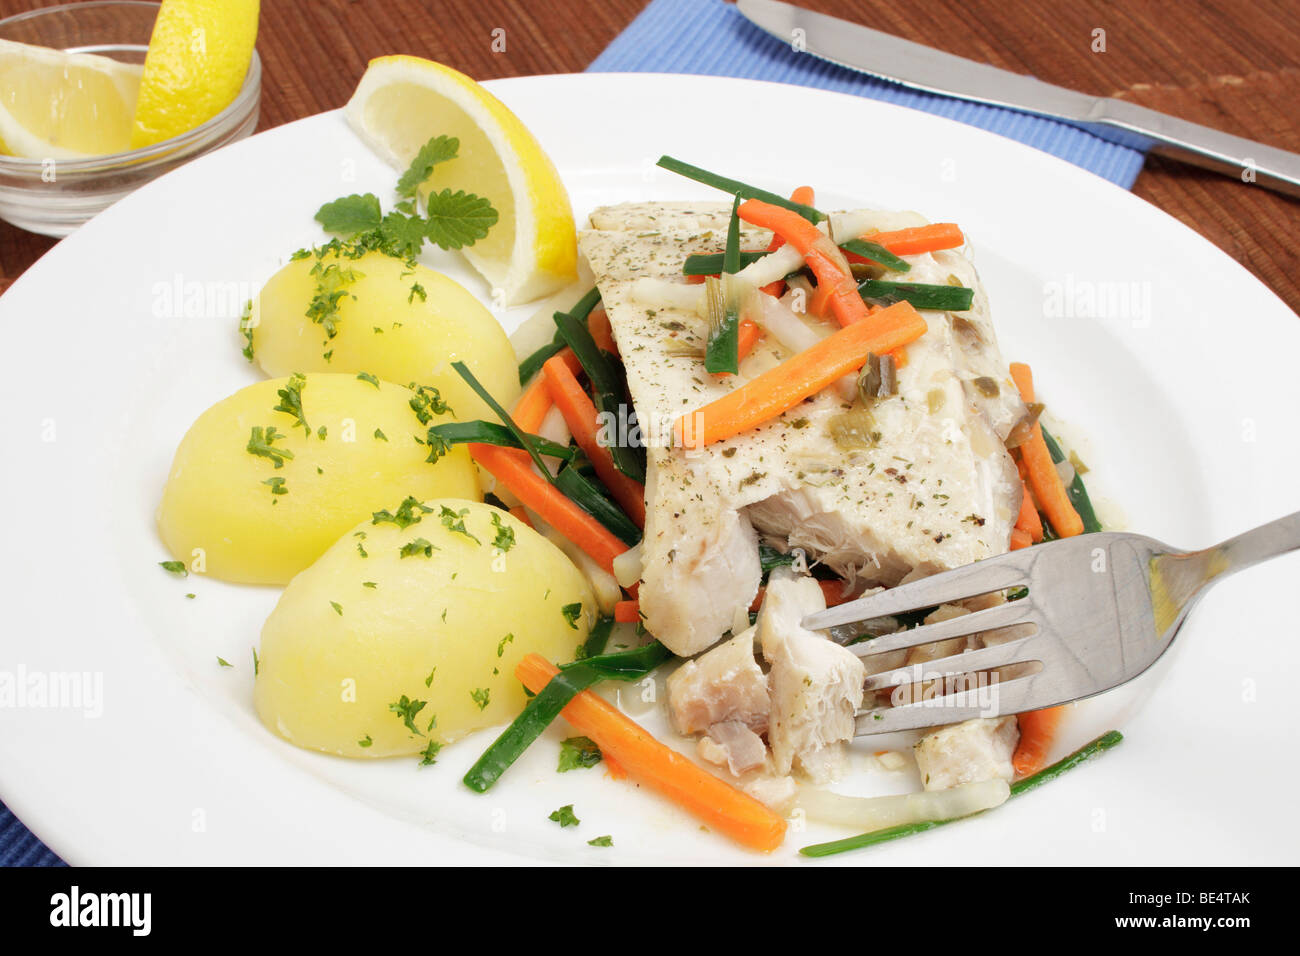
(1228, 64)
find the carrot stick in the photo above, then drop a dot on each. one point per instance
(1043, 479)
(1028, 520)
(804, 195)
(514, 469)
(1020, 539)
(750, 333)
(780, 389)
(918, 239)
(535, 402)
(900, 357)
(522, 515)
(601, 331)
(715, 802)
(816, 248)
(627, 612)
(1037, 730)
(580, 415)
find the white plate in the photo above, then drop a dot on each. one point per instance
(1188, 399)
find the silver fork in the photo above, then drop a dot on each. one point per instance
(1100, 609)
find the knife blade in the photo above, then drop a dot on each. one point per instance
(924, 68)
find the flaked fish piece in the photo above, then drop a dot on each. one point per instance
(724, 685)
(975, 750)
(815, 684)
(734, 745)
(920, 484)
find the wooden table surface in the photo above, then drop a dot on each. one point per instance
(1229, 64)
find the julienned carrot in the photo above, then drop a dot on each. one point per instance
(535, 402)
(900, 358)
(804, 195)
(601, 331)
(522, 515)
(1020, 539)
(709, 799)
(514, 469)
(1028, 520)
(817, 250)
(580, 415)
(747, 337)
(627, 612)
(918, 239)
(785, 386)
(1043, 479)
(1037, 730)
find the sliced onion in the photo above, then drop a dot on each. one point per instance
(667, 294)
(783, 324)
(773, 266)
(878, 813)
(627, 567)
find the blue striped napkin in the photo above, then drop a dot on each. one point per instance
(711, 37)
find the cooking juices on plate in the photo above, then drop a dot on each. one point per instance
(752, 409)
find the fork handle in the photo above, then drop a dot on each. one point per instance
(1260, 544)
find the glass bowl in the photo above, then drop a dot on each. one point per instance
(54, 197)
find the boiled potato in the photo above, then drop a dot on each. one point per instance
(386, 330)
(428, 623)
(240, 516)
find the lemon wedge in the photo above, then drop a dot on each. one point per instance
(56, 105)
(404, 101)
(198, 56)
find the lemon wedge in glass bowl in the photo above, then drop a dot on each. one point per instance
(404, 101)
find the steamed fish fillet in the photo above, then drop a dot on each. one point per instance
(929, 486)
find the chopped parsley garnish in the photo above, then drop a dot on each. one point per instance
(361, 550)
(369, 584)
(246, 329)
(257, 665)
(405, 515)
(379, 433)
(278, 486)
(601, 841)
(261, 442)
(481, 696)
(291, 400)
(321, 433)
(505, 539)
(416, 289)
(571, 614)
(224, 663)
(501, 644)
(407, 709)
(428, 681)
(455, 521)
(418, 546)
(365, 741)
(437, 150)
(338, 608)
(175, 567)
(578, 753)
(367, 377)
(564, 816)
(430, 754)
(427, 402)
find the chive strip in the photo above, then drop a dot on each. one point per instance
(598, 638)
(525, 441)
(1075, 490)
(586, 495)
(491, 433)
(769, 558)
(533, 363)
(737, 188)
(876, 253)
(722, 352)
(710, 263)
(1084, 753)
(606, 377)
(947, 298)
(541, 710)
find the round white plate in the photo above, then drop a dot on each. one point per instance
(1175, 365)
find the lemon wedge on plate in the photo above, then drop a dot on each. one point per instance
(56, 105)
(403, 101)
(198, 56)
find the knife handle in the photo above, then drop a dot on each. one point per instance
(1203, 146)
